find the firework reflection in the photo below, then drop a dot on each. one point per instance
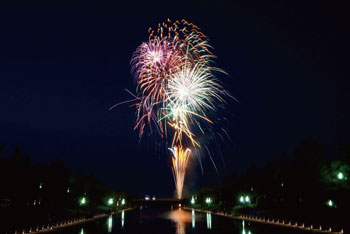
(180, 218)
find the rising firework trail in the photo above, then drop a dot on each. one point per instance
(176, 89)
(179, 163)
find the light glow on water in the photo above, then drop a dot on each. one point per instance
(243, 228)
(123, 218)
(181, 218)
(209, 220)
(166, 221)
(193, 218)
(110, 224)
(180, 228)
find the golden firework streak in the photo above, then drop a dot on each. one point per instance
(179, 161)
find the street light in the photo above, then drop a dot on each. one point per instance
(340, 176)
(241, 199)
(82, 201)
(208, 200)
(123, 201)
(330, 203)
(193, 201)
(244, 199)
(110, 201)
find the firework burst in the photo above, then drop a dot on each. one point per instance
(176, 87)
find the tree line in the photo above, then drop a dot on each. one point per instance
(38, 194)
(311, 186)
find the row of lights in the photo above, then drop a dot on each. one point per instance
(246, 199)
(110, 201)
(208, 200)
(83, 199)
(42, 184)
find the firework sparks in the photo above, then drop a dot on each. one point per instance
(192, 92)
(179, 162)
(176, 87)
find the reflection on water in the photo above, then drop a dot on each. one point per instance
(243, 228)
(180, 228)
(193, 219)
(140, 215)
(123, 219)
(209, 220)
(181, 217)
(166, 221)
(110, 223)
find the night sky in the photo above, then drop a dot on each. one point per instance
(63, 66)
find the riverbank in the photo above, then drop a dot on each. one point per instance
(277, 222)
(68, 223)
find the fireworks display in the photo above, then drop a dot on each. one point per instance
(176, 89)
(179, 163)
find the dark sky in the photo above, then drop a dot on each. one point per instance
(62, 66)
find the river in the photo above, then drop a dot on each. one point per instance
(148, 220)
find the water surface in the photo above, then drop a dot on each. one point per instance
(149, 220)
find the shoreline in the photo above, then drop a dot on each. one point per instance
(69, 223)
(277, 222)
